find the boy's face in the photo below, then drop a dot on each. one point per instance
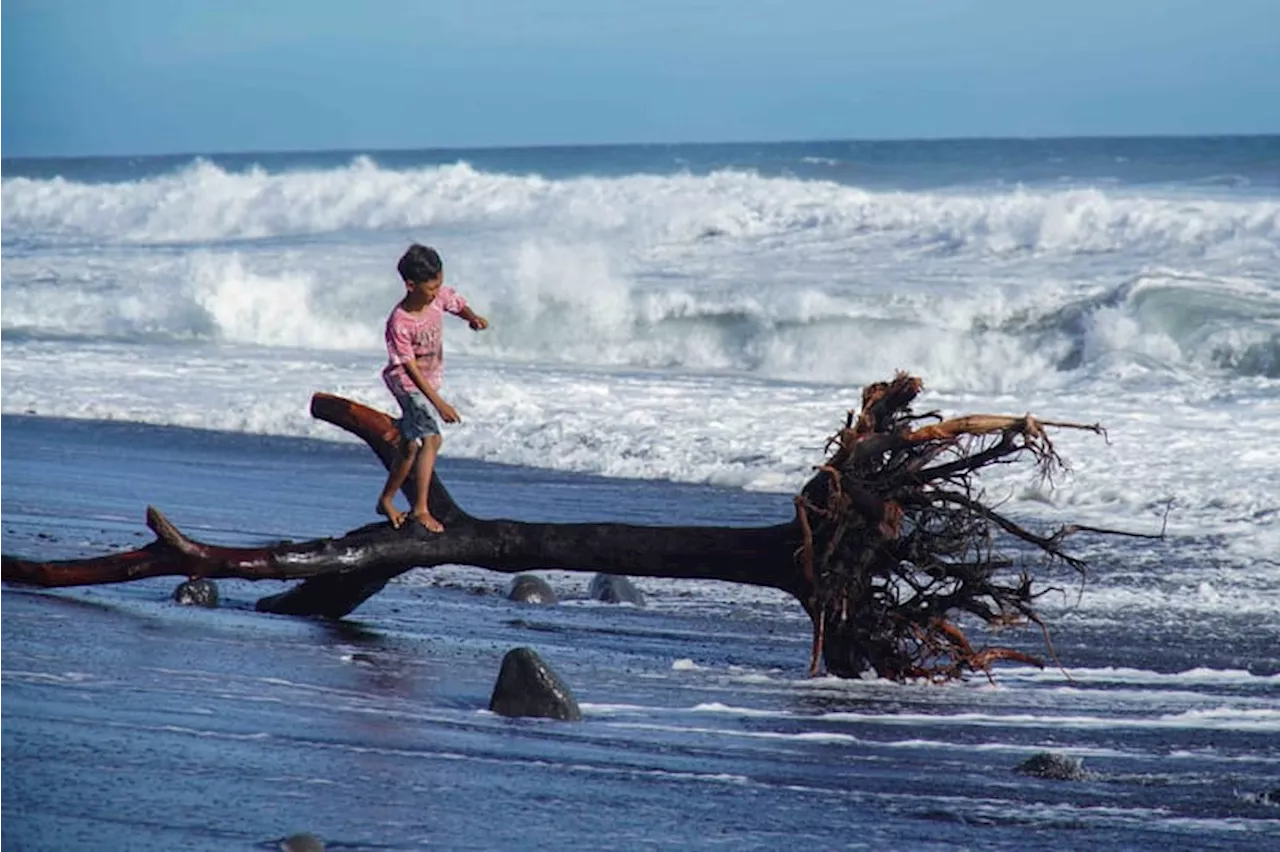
(428, 289)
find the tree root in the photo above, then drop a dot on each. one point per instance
(897, 539)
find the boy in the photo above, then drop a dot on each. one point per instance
(415, 368)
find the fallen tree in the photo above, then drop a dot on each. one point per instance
(890, 544)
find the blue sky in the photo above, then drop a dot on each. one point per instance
(178, 76)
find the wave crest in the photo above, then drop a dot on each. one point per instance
(1165, 320)
(205, 203)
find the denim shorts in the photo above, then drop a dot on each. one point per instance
(417, 420)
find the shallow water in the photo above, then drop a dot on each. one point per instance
(130, 722)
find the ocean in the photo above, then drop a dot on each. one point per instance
(676, 330)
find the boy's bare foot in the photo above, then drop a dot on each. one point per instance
(428, 520)
(391, 513)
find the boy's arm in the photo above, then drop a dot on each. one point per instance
(456, 305)
(447, 412)
(477, 322)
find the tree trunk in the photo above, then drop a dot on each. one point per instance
(885, 546)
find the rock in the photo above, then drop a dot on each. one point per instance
(528, 687)
(303, 842)
(611, 589)
(197, 593)
(1056, 767)
(530, 588)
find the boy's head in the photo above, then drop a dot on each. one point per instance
(419, 263)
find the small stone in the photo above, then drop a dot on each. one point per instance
(611, 589)
(197, 593)
(1055, 767)
(303, 842)
(527, 686)
(530, 588)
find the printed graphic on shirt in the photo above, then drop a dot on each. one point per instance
(420, 339)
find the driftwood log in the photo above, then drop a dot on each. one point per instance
(891, 542)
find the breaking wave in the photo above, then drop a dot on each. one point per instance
(1164, 318)
(580, 311)
(205, 203)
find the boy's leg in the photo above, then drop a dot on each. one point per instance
(396, 475)
(423, 468)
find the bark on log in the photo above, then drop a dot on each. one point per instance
(886, 545)
(343, 572)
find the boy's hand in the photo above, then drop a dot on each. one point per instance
(448, 413)
(478, 323)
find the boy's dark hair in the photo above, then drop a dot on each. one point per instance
(419, 263)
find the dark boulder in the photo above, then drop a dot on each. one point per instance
(528, 687)
(197, 593)
(530, 588)
(611, 589)
(1055, 767)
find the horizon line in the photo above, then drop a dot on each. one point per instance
(602, 145)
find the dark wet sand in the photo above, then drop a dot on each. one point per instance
(132, 723)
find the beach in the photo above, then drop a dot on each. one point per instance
(132, 722)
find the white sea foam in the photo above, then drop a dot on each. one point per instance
(1222, 719)
(806, 736)
(662, 271)
(596, 708)
(1123, 675)
(204, 202)
(58, 678)
(598, 305)
(706, 428)
(718, 707)
(701, 328)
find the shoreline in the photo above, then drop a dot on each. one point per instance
(132, 465)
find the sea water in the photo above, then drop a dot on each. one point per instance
(700, 313)
(705, 316)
